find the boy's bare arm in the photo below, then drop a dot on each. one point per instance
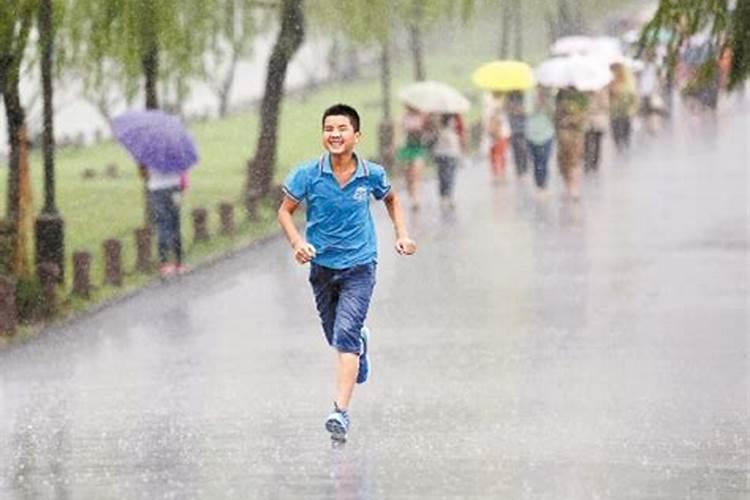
(303, 251)
(404, 244)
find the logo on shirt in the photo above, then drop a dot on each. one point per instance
(360, 194)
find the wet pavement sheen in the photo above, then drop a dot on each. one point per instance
(533, 349)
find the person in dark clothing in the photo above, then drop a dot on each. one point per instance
(516, 109)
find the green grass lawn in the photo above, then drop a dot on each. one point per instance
(101, 207)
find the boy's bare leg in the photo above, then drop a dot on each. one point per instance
(347, 366)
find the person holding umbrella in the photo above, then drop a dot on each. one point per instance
(423, 101)
(571, 120)
(165, 191)
(164, 151)
(413, 152)
(575, 77)
(506, 81)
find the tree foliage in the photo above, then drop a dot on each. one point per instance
(727, 25)
(126, 36)
(375, 21)
(233, 28)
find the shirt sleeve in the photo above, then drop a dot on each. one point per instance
(295, 185)
(379, 182)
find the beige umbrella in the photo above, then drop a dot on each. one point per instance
(434, 97)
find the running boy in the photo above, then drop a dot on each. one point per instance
(341, 246)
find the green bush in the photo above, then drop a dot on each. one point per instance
(29, 299)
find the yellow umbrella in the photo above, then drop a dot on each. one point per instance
(503, 76)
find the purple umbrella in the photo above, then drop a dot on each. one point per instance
(156, 140)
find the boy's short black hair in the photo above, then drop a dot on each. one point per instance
(342, 110)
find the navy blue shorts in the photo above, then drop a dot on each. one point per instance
(343, 298)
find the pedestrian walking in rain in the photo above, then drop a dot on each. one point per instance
(540, 133)
(497, 131)
(447, 152)
(516, 109)
(164, 151)
(165, 192)
(651, 105)
(623, 105)
(413, 153)
(571, 118)
(340, 244)
(597, 127)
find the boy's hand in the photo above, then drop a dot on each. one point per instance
(405, 246)
(303, 252)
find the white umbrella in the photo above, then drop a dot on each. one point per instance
(569, 45)
(605, 46)
(434, 97)
(586, 73)
(600, 46)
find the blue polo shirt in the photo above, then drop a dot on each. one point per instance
(339, 223)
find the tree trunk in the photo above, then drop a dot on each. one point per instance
(150, 64)
(19, 183)
(49, 229)
(48, 141)
(385, 79)
(740, 45)
(19, 188)
(386, 142)
(260, 169)
(505, 30)
(149, 52)
(569, 17)
(150, 67)
(415, 35)
(518, 27)
(225, 89)
(579, 17)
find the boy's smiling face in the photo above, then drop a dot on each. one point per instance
(339, 136)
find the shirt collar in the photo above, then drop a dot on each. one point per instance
(360, 172)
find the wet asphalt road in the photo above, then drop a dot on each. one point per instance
(533, 349)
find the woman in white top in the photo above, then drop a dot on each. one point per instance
(447, 153)
(165, 197)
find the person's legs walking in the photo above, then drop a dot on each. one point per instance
(540, 154)
(413, 175)
(160, 213)
(569, 153)
(598, 135)
(534, 152)
(173, 223)
(343, 299)
(590, 150)
(621, 132)
(442, 165)
(446, 177)
(627, 127)
(497, 157)
(616, 132)
(518, 142)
